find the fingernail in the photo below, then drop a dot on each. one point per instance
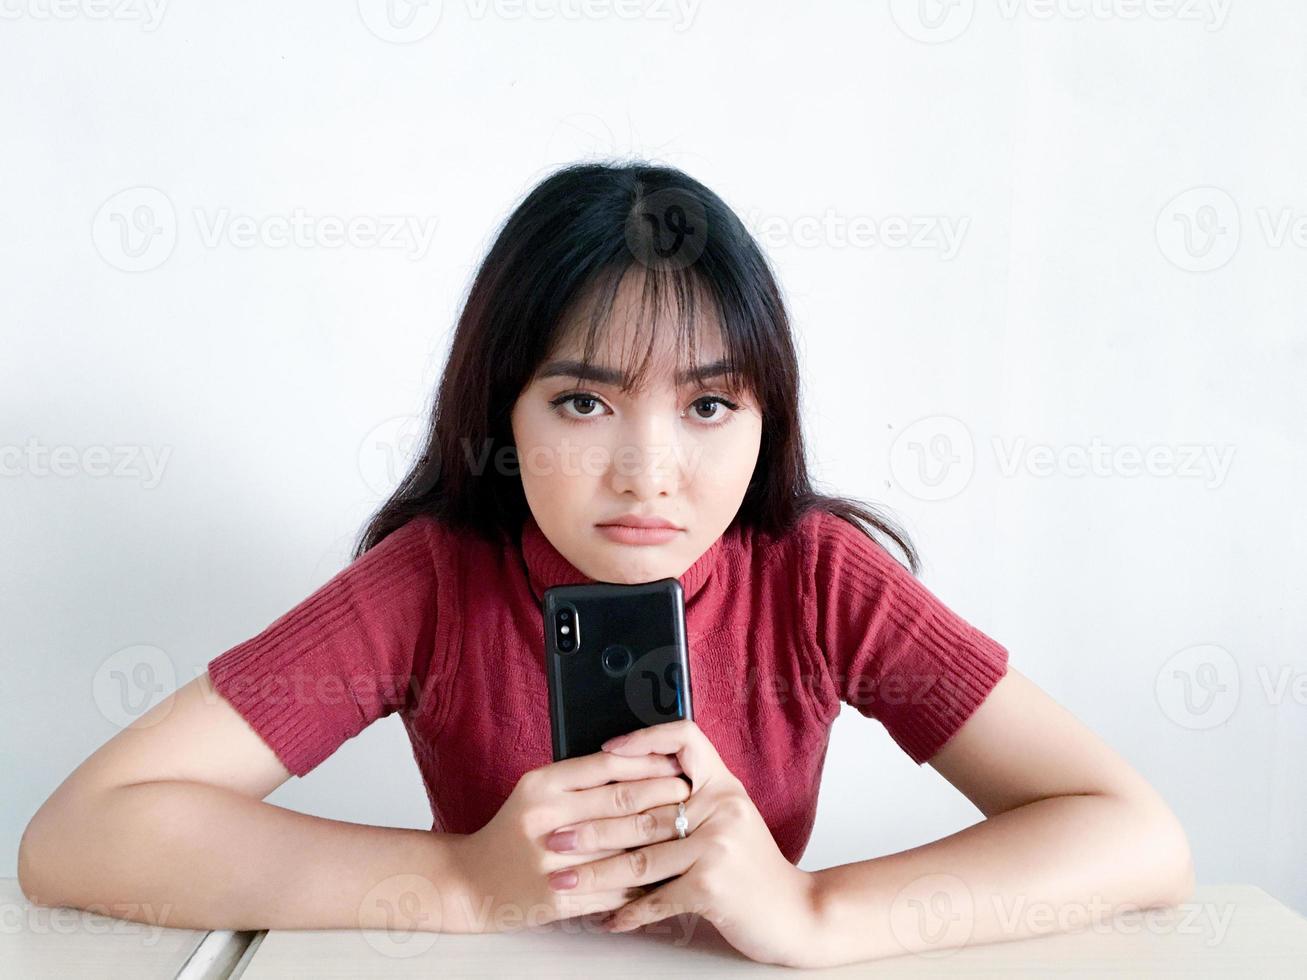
(562, 880)
(615, 741)
(561, 840)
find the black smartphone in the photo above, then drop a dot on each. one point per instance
(616, 659)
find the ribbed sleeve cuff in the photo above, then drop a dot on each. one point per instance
(271, 701)
(948, 687)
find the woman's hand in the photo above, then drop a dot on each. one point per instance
(730, 870)
(503, 868)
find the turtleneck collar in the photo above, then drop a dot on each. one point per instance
(546, 566)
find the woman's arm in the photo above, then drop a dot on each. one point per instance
(1073, 835)
(166, 824)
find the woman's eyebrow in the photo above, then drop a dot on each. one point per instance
(609, 376)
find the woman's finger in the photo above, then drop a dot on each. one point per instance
(682, 739)
(674, 898)
(598, 768)
(623, 799)
(651, 825)
(642, 866)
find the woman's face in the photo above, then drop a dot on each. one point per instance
(680, 448)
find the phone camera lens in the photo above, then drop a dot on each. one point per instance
(566, 629)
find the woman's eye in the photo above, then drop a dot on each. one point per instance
(706, 409)
(711, 402)
(585, 405)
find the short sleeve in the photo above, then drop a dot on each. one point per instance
(894, 651)
(355, 650)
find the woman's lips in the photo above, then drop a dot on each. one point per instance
(623, 534)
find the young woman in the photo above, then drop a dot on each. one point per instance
(623, 361)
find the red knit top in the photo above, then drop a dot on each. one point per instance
(446, 629)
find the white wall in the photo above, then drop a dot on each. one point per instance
(1069, 312)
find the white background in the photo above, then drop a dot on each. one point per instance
(1124, 184)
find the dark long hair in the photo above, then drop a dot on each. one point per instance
(566, 247)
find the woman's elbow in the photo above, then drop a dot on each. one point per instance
(28, 870)
(1174, 864)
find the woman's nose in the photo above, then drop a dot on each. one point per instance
(647, 461)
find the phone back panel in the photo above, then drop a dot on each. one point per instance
(630, 668)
